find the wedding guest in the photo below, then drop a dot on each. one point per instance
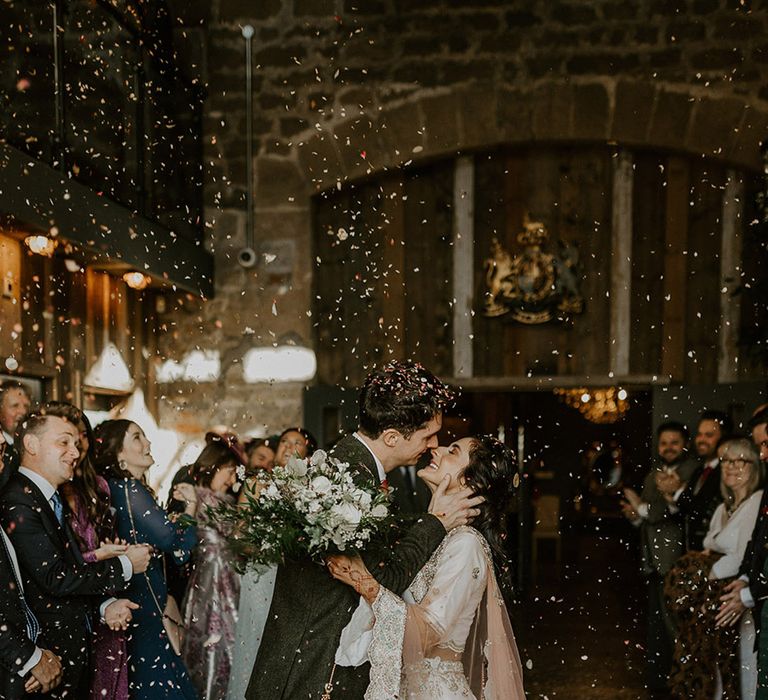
(123, 457)
(63, 592)
(449, 636)
(93, 523)
(750, 589)
(260, 454)
(210, 606)
(696, 501)
(661, 543)
(294, 442)
(177, 574)
(706, 657)
(15, 402)
(257, 585)
(25, 668)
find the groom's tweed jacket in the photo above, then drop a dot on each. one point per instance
(310, 609)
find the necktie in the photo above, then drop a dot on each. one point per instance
(58, 510)
(702, 478)
(408, 478)
(58, 507)
(33, 626)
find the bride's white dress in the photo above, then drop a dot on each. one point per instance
(449, 636)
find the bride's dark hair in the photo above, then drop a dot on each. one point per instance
(490, 473)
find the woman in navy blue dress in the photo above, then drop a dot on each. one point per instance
(123, 457)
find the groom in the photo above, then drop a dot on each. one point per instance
(400, 415)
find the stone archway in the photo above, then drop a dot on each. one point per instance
(436, 123)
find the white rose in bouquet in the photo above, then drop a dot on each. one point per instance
(296, 467)
(321, 485)
(348, 515)
(363, 498)
(380, 511)
(317, 458)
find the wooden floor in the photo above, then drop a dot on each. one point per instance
(581, 630)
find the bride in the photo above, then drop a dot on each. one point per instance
(449, 636)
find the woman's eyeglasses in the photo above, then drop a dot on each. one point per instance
(736, 462)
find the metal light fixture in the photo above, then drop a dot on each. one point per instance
(605, 405)
(41, 245)
(137, 280)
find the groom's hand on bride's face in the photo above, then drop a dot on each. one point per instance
(456, 508)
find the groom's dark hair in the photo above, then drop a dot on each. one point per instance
(401, 395)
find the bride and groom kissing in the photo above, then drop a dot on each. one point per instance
(420, 615)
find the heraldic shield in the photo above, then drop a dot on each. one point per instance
(534, 286)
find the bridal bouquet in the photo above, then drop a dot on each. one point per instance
(308, 508)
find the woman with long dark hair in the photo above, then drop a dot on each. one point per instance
(449, 636)
(123, 457)
(213, 592)
(91, 519)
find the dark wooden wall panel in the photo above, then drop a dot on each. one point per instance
(703, 316)
(386, 290)
(584, 221)
(428, 216)
(648, 217)
(491, 220)
(569, 190)
(673, 312)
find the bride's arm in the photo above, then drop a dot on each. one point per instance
(458, 581)
(353, 572)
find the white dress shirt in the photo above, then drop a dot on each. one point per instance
(357, 635)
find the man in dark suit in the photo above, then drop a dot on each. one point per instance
(15, 402)
(62, 591)
(661, 543)
(24, 667)
(400, 416)
(696, 500)
(410, 495)
(750, 589)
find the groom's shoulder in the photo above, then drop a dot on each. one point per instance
(350, 450)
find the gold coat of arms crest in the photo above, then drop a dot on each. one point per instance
(533, 286)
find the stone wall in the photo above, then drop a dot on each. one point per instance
(347, 88)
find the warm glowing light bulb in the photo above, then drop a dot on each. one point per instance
(136, 280)
(585, 397)
(41, 245)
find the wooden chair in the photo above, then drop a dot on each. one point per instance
(547, 526)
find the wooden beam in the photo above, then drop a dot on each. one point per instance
(730, 279)
(35, 194)
(621, 262)
(549, 383)
(463, 264)
(675, 269)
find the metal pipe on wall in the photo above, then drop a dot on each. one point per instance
(59, 134)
